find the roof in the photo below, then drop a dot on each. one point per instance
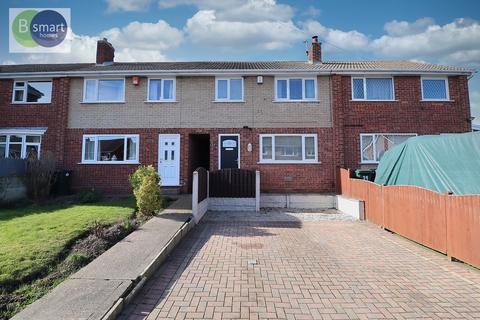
(236, 66)
(476, 126)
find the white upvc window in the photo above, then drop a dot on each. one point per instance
(373, 88)
(288, 148)
(110, 148)
(104, 90)
(435, 89)
(20, 145)
(229, 89)
(374, 145)
(34, 91)
(295, 89)
(161, 89)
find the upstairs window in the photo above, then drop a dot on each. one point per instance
(372, 89)
(229, 89)
(435, 89)
(161, 90)
(291, 89)
(104, 90)
(20, 146)
(374, 145)
(32, 92)
(110, 149)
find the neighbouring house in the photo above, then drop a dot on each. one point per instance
(295, 121)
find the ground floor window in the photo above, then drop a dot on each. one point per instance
(110, 148)
(20, 146)
(374, 145)
(288, 148)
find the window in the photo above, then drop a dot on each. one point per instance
(110, 149)
(372, 89)
(20, 146)
(104, 90)
(229, 89)
(32, 92)
(288, 148)
(295, 89)
(373, 146)
(161, 89)
(435, 89)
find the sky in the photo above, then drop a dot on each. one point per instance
(434, 31)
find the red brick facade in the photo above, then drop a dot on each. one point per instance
(337, 146)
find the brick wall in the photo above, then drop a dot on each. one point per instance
(51, 115)
(113, 178)
(407, 114)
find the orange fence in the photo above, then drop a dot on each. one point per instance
(447, 223)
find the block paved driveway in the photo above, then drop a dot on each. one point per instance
(308, 266)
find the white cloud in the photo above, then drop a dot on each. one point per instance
(311, 11)
(403, 28)
(127, 5)
(457, 42)
(134, 42)
(204, 29)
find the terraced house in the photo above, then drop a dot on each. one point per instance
(294, 121)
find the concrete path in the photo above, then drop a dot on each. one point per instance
(99, 290)
(282, 266)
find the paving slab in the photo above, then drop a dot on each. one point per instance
(97, 290)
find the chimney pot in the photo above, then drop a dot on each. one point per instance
(314, 53)
(105, 52)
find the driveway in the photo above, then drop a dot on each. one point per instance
(304, 265)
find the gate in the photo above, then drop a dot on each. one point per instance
(232, 183)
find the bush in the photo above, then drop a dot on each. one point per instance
(145, 184)
(40, 176)
(90, 196)
(136, 178)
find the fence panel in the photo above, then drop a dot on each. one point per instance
(463, 228)
(417, 214)
(12, 167)
(202, 184)
(232, 183)
(374, 203)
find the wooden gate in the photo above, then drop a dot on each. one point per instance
(232, 183)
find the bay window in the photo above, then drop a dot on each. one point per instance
(372, 89)
(110, 149)
(288, 148)
(292, 89)
(374, 145)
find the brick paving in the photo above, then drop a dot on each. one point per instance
(304, 269)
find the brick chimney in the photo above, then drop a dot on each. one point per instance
(314, 53)
(105, 52)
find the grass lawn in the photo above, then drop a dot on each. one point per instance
(32, 238)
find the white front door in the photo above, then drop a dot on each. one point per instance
(169, 159)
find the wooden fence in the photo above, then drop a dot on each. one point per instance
(202, 184)
(441, 221)
(232, 183)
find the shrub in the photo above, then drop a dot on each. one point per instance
(40, 176)
(149, 199)
(90, 196)
(136, 178)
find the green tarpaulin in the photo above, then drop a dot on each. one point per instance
(441, 163)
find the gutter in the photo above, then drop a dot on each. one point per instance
(207, 72)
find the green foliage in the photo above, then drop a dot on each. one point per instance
(149, 199)
(76, 260)
(137, 177)
(40, 176)
(92, 196)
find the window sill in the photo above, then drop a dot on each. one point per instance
(102, 102)
(433, 100)
(359, 100)
(160, 101)
(296, 101)
(289, 162)
(110, 162)
(228, 101)
(27, 103)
